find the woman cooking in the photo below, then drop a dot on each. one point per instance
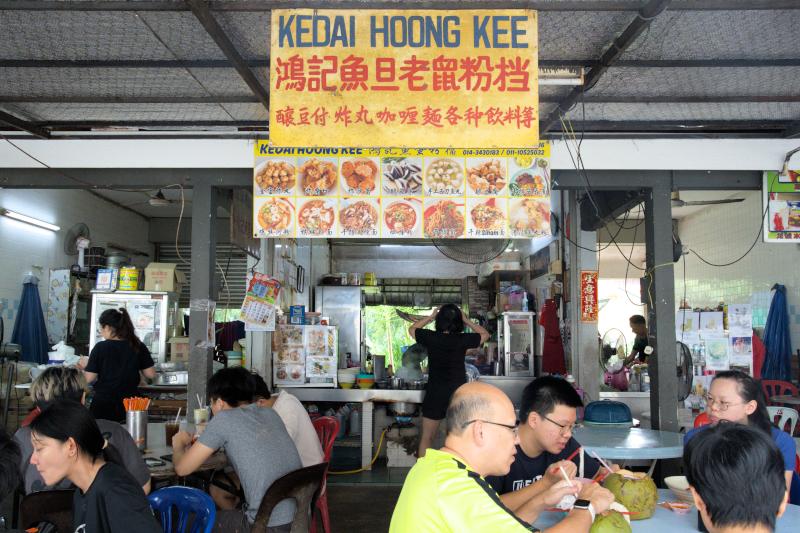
(115, 364)
(446, 346)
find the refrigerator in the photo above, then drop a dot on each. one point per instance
(517, 342)
(150, 313)
(343, 306)
(304, 356)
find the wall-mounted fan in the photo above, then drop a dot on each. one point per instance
(471, 251)
(685, 376)
(76, 241)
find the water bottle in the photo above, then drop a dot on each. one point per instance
(355, 423)
(525, 302)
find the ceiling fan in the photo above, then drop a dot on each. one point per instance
(677, 202)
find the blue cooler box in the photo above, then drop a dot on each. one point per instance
(607, 413)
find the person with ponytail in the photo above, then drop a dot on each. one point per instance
(67, 443)
(735, 397)
(115, 364)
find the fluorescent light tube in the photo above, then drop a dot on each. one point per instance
(29, 220)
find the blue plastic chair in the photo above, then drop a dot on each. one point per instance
(187, 501)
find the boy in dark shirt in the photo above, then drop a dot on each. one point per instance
(547, 416)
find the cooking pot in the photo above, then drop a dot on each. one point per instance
(417, 384)
(402, 408)
(397, 383)
(180, 377)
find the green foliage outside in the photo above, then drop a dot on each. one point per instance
(387, 333)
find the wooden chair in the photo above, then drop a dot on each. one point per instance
(303, 486)
(776, 387)
(54, 506)
(327, 428)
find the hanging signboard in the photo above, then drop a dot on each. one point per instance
(782, 203)
(401, 193)
(589, 296)
(388, 78)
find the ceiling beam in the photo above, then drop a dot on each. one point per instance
(264, 63)
(128, 178)
(78, 124)
(650, 11)
(21, 99)
(206, 18)
(267, 5)
(18, 123)
(792, 131)
(248, 99)
(684, 126)
(684, 180)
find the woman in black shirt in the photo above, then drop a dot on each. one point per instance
(446, 346)
(115, 363)
(68, 444)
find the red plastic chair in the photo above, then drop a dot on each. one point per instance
(776, 387)
(327, 428)
(702, 420)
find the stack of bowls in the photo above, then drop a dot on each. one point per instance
(347, 377)
(366, 381)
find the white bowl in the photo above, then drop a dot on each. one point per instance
(679, 486)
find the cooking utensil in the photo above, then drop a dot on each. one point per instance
(402, 408)
(397, 383)
(300, 279)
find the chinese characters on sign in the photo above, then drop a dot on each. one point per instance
(375, 79)
(588, 296)
(401, 192)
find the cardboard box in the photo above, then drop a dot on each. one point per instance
(178, 349)
(163, 277)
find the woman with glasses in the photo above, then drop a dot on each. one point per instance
(446, 346)
(736, 397)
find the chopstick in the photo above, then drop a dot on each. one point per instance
(573, 454)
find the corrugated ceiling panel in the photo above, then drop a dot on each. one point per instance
(230, 260)
(254, 111)
(718, 81)
(222, 81)
(127, 82)
(579, 34)
(250, 32)
(748, 111)
(183, 34)
(719, 35)
(77, 35)
(126, 112)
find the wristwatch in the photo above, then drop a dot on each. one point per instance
(585, 505)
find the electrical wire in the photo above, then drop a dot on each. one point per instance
(374, 458)
(755, 241)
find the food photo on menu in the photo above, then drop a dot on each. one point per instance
(316, 217)
(444, 177)
(274, 217)
(402, 176)
(530, 180)
(486, 176)
(444, 219)
(487, 217)
(275, 176)
(529, 217)
(401, 218)
(360, 177)
(359, 217)
(318, 176)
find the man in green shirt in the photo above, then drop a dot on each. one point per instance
(446, 491)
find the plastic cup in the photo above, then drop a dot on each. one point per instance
(200, 415)
(170, 429)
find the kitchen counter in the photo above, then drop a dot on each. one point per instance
(367, 398)
(307, 394)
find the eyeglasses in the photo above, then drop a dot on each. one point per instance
(514, 429)
(562, 428)
(722, 406)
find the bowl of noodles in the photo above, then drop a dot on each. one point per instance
(275, 216)
(316, 217)
(359, 218)
(444, 219)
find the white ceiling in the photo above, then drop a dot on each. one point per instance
(139, 201)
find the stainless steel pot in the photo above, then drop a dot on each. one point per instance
(397, 383)
(417, 384)
(402, 408)
(180, 377)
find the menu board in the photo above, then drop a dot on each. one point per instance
(782, 201)
(401, 193)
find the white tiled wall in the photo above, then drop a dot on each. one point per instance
(22, 246)
(723, 233)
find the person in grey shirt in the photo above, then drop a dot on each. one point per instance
(58, 384)
(257, 445)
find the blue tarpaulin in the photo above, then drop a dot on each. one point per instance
(30, 331)
(778, 359)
